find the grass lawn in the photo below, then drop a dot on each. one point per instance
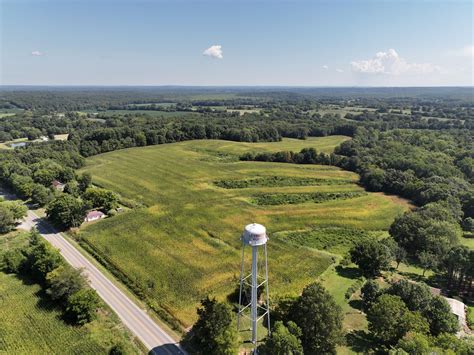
(185, 243)
(31, 324)
(61, 137)
(468, 240)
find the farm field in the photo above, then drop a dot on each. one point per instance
(185, 243)
(31, 324)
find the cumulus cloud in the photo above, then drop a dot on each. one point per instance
(37, 53)
(339, 70)
(325, 67)
(391, 63)
(214, 51)
(466, 51)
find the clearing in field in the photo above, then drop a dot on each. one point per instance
(185, 243)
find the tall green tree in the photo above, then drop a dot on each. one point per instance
(417, 296)
(432, 228)
(440, 318)
(63, 282)
(66, 211)
(390, 319)
(7, 220)
(371, 256)
(101, 198)
(283, 340)
(320, 319)
(369, 293)
(82, 306)
(215, 331)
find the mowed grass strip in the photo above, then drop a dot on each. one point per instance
(186, 245)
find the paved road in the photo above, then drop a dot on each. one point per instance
(135, 318)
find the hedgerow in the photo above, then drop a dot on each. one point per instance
(296, 198)
(277, 181)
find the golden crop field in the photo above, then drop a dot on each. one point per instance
(185, 243)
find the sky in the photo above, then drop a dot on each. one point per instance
(238, 42)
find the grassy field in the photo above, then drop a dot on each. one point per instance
(185, 243)
(31, 324)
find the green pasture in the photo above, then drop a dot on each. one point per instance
(185, 243)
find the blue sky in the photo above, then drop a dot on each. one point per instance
(307, 43)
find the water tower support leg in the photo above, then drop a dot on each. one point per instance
(241, 282)
(254, 293)
(266, 287)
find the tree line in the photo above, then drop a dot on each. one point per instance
(67, 287)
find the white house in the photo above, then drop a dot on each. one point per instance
(94, 216)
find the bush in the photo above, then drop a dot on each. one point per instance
(369, 293)
(63, 282)
(13, 261)
(82, 306)
(283, 341)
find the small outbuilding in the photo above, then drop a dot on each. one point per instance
(94, 216)
(58, 185)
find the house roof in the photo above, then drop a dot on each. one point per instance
(57, 183)
(95, 214)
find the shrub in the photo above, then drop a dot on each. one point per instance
(13, 261)
(284, 340)
(82, 306)
(369, 293)
(63, 282)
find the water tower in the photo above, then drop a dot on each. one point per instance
(255, 236)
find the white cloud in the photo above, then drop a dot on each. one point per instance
(466, 51)
(392, 64)
(214, 51)
(37, 53)
(339, 70)
(325, 67)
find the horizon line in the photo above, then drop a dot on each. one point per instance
(234, 86)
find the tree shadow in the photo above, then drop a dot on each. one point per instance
(348, 272)
(356, 304)
(360, 341)
(166, 349)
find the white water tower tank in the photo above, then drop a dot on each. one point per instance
(254, 235)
